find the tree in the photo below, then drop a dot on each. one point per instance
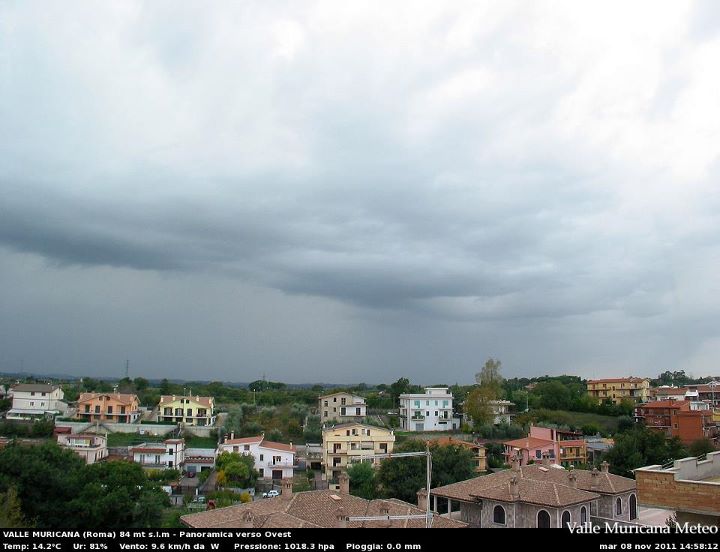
(478, 405)
(700, 447)
(402, 477)
(553, 395)
(402, 385)
(642, 447)
(236, 470)
(489, 376)
(362, 480)
(141, 384)
(11, 516)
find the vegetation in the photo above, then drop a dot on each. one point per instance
(236, 470)
(57, 490)
(38, 428)
(362, 480)
(641, 446)
(403, 477)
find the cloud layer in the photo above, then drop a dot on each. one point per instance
(443, 183)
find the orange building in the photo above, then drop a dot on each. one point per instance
(687, 420)
(477, 450)
(121, 408)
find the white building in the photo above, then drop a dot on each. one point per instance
(272, 460)
(341, 407)
(501, 411)
(431, 411)
(91, 448)
(170, 454)
(36, 400)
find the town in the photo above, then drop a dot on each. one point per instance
(552, 451)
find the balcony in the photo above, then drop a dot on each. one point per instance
(277, 465)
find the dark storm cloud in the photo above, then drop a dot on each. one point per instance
(482, 173)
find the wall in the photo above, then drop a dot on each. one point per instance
(149, 429)
(661, 490)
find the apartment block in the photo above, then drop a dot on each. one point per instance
(341, 408)
(618, 389)
(345, 444)
(429, 411)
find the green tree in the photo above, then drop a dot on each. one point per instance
(11, 516)
(489, 376)
(141, 384)
(478, 405)
(403, 477)
(362, 480)
(642, 447)
(236, 470)
(700, 447)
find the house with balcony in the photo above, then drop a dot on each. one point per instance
(688, 420)
(429, 411)
(168, 454)
(346, 444)
(273, 461)
(119, 408)
(190, 410)
(617, 390)
(90, 447)
(36, 400)
(690, 486)
(341, 408)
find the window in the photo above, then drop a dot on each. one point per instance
(427, 413)
(277, 459)
(583, 515)
(326, 403)
(538, 454)
(122, 410)
(110, 409)
(326, 413)
(436, 413)
(87, 408)
(499, 515)
(618, 507)
(357, 412)
(157, 458)
(261, 457)
(427, 403)
(417, 403)
(170, 451)
(566, 519)
(97, 409)
(343, 400)
(32, 403)
(543, 519)
(189, 412)
(32, 393)
(334, 399)
(347, 433)
(633, 507)
(236, 449)
(246, 447)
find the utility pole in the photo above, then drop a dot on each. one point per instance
(127, 369)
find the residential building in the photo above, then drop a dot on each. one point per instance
(691, 487)
(169, 454)
(501, 411)
(316, 509)
(187, 409)
(123, 408)
(477, 450)
(36, 400)
(199, 459)
(345, 444)
(540, 495)
(567, 447)
(688, 420)
(616, 390)
(341, 407)
(706, 392)
(272, 460)
(90, 447)
(430, 411)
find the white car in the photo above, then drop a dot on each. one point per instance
(271, 494)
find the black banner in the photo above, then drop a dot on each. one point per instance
(359, 540)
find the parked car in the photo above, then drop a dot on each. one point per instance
(271, 493)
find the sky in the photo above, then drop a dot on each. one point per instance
(357, 192)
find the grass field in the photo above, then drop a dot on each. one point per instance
(128, 439)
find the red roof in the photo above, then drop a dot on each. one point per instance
(529, 443)
(668, 403)
(572, 443)
(243, 440)
(278, 446)
(260, 439)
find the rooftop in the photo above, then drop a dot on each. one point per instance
(314, 509)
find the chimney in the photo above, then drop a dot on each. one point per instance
(514, 487)
(422, 499)
(340, 518)
(385, 511)
(344, 481)
(286, 491)
(594, 479)
(572, 478)
(516, 462)
(232, 435)
(546, 459)
(246, 521)
(605, 467)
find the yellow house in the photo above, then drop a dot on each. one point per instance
(619, 389)
(189, 410)
(345, 444)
